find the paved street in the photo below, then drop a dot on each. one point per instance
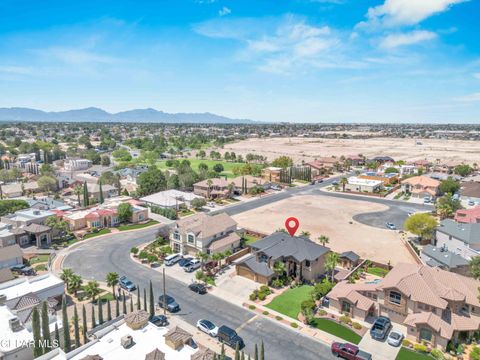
(111, 253)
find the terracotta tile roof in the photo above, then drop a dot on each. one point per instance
(216, 182)
(468, 215)
(204, 226)
(351, 292)
(178, 334)
(230, 239)
(423, 181)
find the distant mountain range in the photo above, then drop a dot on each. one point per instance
(93, 114)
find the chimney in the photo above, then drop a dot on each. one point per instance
(3, 299)
(36, 212)
(126, 341)
(15, 324)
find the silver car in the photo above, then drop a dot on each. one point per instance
(207, 327)
(395, 338)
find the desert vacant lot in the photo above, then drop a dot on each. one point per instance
(400, 149)
(331, 217)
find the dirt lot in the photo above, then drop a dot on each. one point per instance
(331, 218)
(400, 149)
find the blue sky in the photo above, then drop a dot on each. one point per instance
(412, 61)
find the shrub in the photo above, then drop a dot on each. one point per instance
(261, 296)
(253, 296)
(406, 343)
(265, 312)
(294, 325)
(134, 250)
(322, 312)
(437, 354)
(356, 326)
(252, 307)
(307, 305)
(143, 255)
(277, 283)
(345, 319)
(279, 318)
(265, 289)
(474, 354)
(420, 348)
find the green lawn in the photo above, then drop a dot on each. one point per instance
(289, 302)
(336, 329)
(41, 267)
(106, 297)
(101, 232)
(39, 259)
(377, 271)
(250, 239)
(137, 226)
(227, 166)
(406, 354)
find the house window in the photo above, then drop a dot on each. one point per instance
(176, 236)
(191, 239)
(395, 297)
(425, 334)
(345, 307)
(307, 263)
(140, 217)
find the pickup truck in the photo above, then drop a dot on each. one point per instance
(349, 352)
(126, 284)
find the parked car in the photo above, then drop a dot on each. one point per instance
(172, 259)
(380, 328)
(207, 327)
(426, 200)
(275, 187)
(230, 337)
(391, 226)
(349, 352)
(126, 284)
(198, 288)
(471, 203)
(192, 265)
(159, 320)
(395, 338)
(22, 269)
(185, 260)
(211, 204)
(335, 182)
(169, 303)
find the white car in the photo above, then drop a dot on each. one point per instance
(207, 327)
(395, 338)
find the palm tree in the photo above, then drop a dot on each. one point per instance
(343, 182)
(66, 274)
(74, 283)
(203, 256)
(331, 262)
(78, 190)
(112, 280)
(323, 239)
(92, 289)
(305, 234)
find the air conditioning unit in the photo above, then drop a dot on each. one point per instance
(15, 324)
(126, 341)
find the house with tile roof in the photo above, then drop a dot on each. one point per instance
(205, 233)
(468, 215)
(215, 188)
(435, 305)
(421, 186)
(304, 260)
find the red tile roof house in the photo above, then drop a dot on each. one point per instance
(322, 165)
(421, 186)
(468, 215)
(436, 305)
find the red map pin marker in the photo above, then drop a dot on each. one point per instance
(292, 228)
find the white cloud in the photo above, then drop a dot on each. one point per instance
(17, 70)
(475, 97)
(405, 12)
(76, 56)
(476, 75)
(402, 39)
(224, 11)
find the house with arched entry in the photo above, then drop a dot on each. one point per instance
(28, 227)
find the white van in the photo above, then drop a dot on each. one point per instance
(172, 259)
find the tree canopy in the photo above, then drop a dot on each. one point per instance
(421, 224)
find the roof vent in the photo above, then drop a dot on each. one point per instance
(126, 341)
(3, 299)
(15, 324)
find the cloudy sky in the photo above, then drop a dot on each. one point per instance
(273, 60)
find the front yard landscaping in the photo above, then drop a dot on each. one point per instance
(406, 354)
(336, 329)
(98, 233)
(137, 226)
(250, 239)
(39, 259)
(377, 271)
(289, 303)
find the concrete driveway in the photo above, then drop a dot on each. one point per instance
(380, 350)
(236, 289)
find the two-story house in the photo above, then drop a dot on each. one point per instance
(460, 238)
(205, 233)
(435, 305)
(304, 260)
(213, 188)
(28, 227)
(421, 186)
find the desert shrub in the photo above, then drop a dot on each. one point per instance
(345, 319)
(356, 326)
(261, 296)
(474, 354)
(437, 354)
(253, 296)
(420, 348)
(294, 325)
(265, 312)
(134, 250)
(406, 343)
(322, 312)
(279, 318)
(265, 289)
(252, 307)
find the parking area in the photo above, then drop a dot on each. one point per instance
(381, 350)
(236, 289)
(177, 272)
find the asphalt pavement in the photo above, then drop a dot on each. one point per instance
(94, 259)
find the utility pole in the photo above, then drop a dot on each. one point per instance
(164, 294)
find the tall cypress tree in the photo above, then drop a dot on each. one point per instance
(76, 327)
(94, 322)
(46, 328)
(57, 335)
(109, 311)
(152, 301)
(145, 299)
(243, 356)
(85, 194)
(222, 353)
(255, 354)
(262, 352)
(117, 308)
(101, 200)
(84, 324)
(138, 299)
(67, 346)
(100, 311)
(124, 305)
(131, 303)
(37, 338)
(237, 352)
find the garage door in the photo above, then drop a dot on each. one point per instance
(242, 271)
